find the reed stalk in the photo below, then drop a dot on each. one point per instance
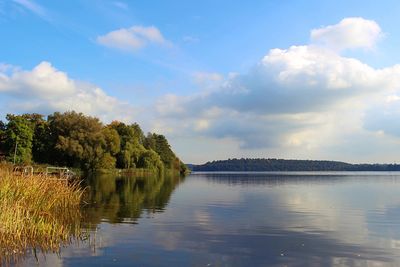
(36, 213)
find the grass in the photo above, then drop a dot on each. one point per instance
(36, 212)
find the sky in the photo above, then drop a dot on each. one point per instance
(220, 79)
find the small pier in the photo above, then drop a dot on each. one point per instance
(54, 173)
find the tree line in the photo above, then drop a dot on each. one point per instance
(75, 140)
(249, 164)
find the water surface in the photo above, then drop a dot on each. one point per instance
(239, 219)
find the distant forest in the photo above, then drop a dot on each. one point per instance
(289, 165)
(75, 140)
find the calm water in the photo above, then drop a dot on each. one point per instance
(240, 219)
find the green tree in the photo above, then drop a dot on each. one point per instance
(79, 139)
(112, 140)
(106, 161)
(150, 142)
(111, 147)
(131, 137)
(75, 140)
(18, 136)
(151, 160)
(43, 142)
(159, 144)
(137, 133)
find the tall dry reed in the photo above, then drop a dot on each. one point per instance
(36, 213)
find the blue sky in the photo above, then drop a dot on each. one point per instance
(207, 76)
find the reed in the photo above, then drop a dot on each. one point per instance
(36, 213)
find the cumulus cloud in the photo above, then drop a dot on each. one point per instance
(42, 80)
(207, 79)
(297, 80)
(382, 117)
(45, 89)
(133, 38)
(348, 33)
(304, 99)
(201, 77)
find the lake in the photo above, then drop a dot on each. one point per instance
(239, 219)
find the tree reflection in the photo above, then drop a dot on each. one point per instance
(118, 199)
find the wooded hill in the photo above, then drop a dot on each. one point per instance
(289, 165)
(75, 140)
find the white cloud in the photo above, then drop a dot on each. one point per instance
(201, 125)
(170, 104)
(208, 80)
(7, 67)
(202, 77)
(297, 80)
(348, 33)
(383, 116)
(45, 89)
(304, 101)
(43, 80)
(133, 38)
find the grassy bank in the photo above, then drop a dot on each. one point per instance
(36, 212)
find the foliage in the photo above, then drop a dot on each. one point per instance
(289, 165)
(18, 137)
(78, 139)
(183, 168)
(159, 144)
(42, 146)
(75, 140)
(150, 160)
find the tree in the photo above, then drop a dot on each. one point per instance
(137, 133)
(43, 143)
(150, 142)
(79, 140)
(18, 136)
(131, 137)
(151, 160)
(112, 140)
(106, 161)
(75, 140)
(159, 144)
